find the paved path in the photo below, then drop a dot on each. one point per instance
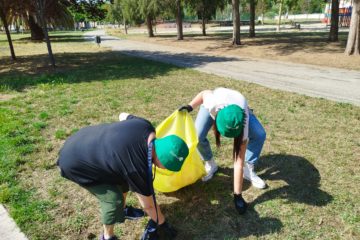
(330, 83)
(8, 228)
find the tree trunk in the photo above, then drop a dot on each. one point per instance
(8, 35)
(36, 31)
(125, 27)
(149, 26)
(40, 11)
(262, 12)
(236, 22)
(279, 19)
(353, 42)
(252, 19)
(203, 23)
(334, 28)
(179, 26)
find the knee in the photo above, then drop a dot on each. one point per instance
(262, 135)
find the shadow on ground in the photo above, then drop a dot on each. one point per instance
(286, 43)
(206, 210)
(97, 66)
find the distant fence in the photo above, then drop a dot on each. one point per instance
(313, 16)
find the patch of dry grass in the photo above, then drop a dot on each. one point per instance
(310, 158)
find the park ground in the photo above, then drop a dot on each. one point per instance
(308, 45)
(310, 158)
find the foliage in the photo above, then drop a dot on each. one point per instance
(115, 12)
(88, 10)
(206, 9)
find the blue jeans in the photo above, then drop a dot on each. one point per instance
(257, 136)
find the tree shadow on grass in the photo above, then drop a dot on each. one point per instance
(78, 67)
(206, 210)
(98, 66)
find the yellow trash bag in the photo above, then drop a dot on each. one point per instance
(182, 125)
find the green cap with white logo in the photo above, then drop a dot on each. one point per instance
(230, 121)
(171, 152)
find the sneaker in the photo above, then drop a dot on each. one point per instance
(112, 238)
(250, 175)
(150, 232)
(210, 168)
(132, 213)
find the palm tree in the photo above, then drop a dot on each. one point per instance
(55, 13)
(5, 9)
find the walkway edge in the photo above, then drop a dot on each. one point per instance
(8, 228)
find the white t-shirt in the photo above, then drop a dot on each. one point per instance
(221, 97)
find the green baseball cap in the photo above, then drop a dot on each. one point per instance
(230, 121)
(171, 151)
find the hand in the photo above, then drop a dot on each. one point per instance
(240, 203)
(150, 232)
(166, 231)
(187, 108)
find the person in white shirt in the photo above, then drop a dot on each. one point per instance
(227, 110)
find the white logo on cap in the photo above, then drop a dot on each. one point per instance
(229, 127)
(174, 155)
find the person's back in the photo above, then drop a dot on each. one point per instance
(108, 153)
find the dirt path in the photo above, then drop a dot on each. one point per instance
(331, 83)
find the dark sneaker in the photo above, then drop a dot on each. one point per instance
(150, 232)
(132, 213)
(112, 238)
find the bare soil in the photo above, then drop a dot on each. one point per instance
(296, 46)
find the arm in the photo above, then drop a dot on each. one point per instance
(239, 169)
(149, 207)
(199, 98)
(239, 201)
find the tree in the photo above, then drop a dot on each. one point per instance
(5, 7)
(40, 8)
(87, 10)
(179, 26)
(149, 9)
(353, 42)
(236, 22)
(252, 18)
(55, 12)
(334, 27)
(279, 16)
(263, 6)
(206, 9)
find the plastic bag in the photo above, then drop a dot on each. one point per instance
(182, 125)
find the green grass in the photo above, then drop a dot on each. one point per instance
(310, 159)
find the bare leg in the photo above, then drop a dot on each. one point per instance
(124, 197)
(108, 231)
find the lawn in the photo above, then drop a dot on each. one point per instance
(310, 159)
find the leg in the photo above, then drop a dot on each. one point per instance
(130, 212)
(111, 202)
(203, 124)
(108, 231)
(257, 136)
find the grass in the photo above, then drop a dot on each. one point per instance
(310, 158)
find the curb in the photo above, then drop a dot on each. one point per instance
(8, 228)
